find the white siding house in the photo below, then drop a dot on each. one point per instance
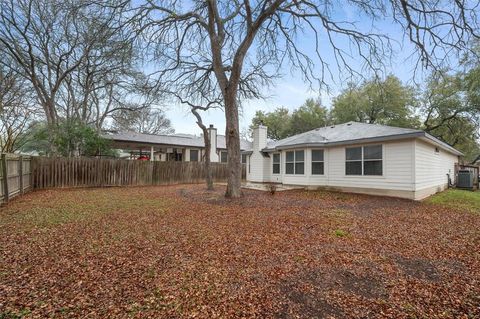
(355, 157)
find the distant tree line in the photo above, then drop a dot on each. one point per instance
(447, 106)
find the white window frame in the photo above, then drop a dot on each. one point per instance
(279, 163)
(295, 161)
(362, 160)
(312, 161)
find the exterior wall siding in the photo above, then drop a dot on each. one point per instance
(397, 169)
(431, 169)
(255, 171)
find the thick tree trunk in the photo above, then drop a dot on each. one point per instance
(232, 134)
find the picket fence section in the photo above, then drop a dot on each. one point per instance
(19, 174)
(15, 176)
(95, 172)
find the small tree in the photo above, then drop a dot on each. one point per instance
(70, 139)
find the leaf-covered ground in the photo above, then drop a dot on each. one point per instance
(182, 252)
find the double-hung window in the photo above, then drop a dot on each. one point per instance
(317, 162)
(366, 160)
(223, 157)
(244, 158)
(295, 162)
(276, 163)
(193, 155)
(372, 160)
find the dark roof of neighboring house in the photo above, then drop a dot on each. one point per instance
(353, 133)
(172, 139)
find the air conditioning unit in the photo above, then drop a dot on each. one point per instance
(465, 179)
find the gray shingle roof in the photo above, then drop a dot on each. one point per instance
(173, 139)
(350, 133)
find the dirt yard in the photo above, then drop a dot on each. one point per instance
(182, 252)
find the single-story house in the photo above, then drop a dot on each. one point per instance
(355, 157)
(172, 147)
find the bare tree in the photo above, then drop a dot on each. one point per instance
(196, 109)
(234, 48)
(208, 145)
(17, 111)
(143, 120)
(76, 56)
(42, 38)
(109, 80)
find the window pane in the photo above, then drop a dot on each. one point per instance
(317, 168)
(276, 168)
(289, 168)
(317, 155)
(372, 168)
(289, 157)
(353, 153)
(276, 158)
(244, 158)
(372, 152)
(194, 155)
(353, 168)
(299, 168)
(299, 156)
(223, 157)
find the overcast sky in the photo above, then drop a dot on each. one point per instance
(291, 91)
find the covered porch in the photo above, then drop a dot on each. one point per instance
(158, 152)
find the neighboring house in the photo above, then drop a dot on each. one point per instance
(174, 147)
(355, 157)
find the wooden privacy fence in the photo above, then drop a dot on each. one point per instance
(94, 172)
(15, 175)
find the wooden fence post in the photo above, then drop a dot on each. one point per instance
(5, 177)
(20, 173)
